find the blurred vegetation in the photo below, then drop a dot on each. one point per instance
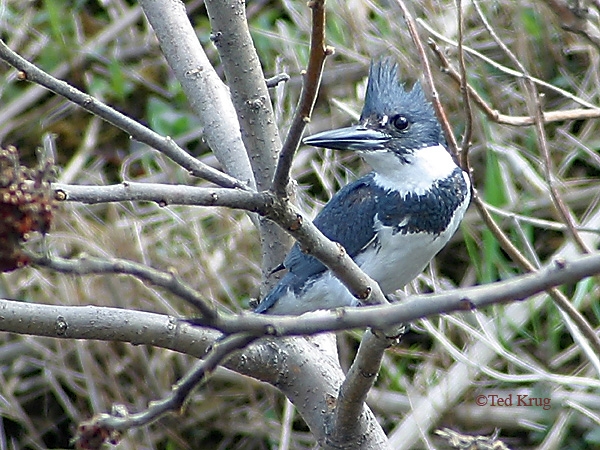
(48, 386)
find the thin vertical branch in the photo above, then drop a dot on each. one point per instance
(468, 133)
(310, 89)
(435, 98)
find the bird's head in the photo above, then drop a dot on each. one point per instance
(394, 123)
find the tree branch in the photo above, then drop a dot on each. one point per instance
(137, 131)
(252, 101)
(508, 70)
(120, 420)
(350, 405)
(265, 204)
(90, 265)
(503, 119)
(435, 98)
(88, 50)
(203, 88)
(304, 370)
(308, 97)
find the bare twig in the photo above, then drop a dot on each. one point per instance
(203, 88)
(276, 79)
(535, 105)
(508, 70)
(574, 18)
(162, 194)
(539, 223)
(418, 306)
(90, 265)
(412, 28)
(498, 117)
(303, 370)
(560, 299)
(518, 257)
(166, 145)
(88, 51)
(310, 89)
(113, 425)
(468, 134)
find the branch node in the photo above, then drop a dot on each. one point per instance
(296, 224)
(365, 294)
(60, 195)
(560, 263)
(466, 304)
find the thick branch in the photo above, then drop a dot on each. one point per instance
(252, 101)
(304, 370)
(350, 406)
(246, 80)
(203, 88)
(419, 306)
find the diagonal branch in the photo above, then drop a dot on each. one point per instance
(203, 88)
(119, 421)
(504, 119)
(412, 29)
(537, 113)
(90, 265)
(265, 204)
(418, 306)
(508, 70)
(137, 131)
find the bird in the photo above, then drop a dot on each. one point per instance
(393, 220)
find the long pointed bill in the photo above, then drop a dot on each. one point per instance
(355, 138)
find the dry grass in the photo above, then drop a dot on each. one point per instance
(47, 386)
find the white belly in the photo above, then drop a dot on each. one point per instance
(396, 261)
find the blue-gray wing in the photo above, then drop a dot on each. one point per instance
(348, 218)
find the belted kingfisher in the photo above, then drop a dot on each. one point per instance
(394, 220)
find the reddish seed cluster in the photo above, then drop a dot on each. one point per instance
(92, 436)
(26, 204)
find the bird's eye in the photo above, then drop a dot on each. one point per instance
(400, 122)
